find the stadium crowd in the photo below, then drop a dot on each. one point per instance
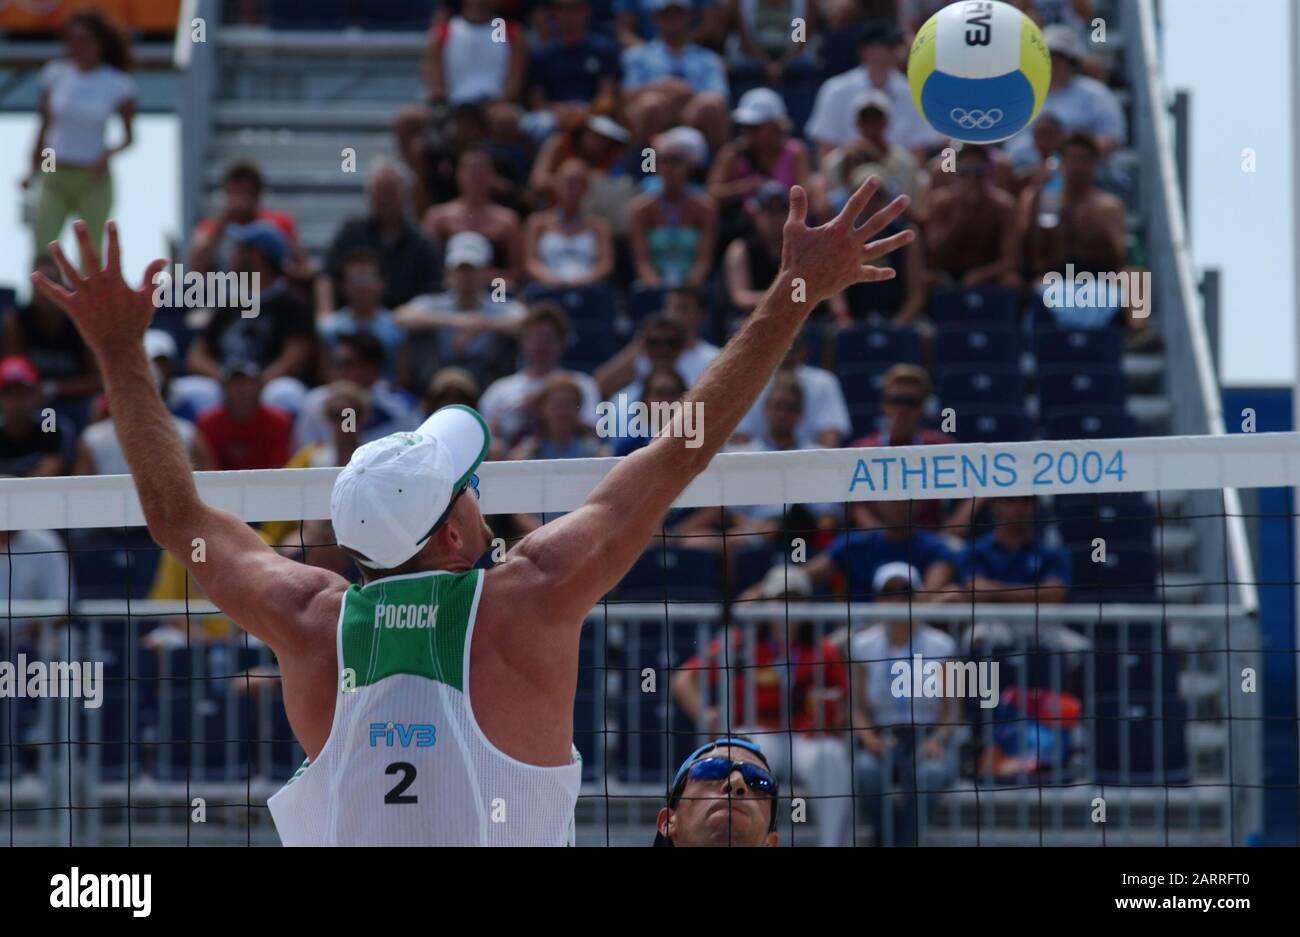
(589, 199)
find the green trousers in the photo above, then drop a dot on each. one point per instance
(67, 191)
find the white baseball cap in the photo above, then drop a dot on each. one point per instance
(159, 344)
(468, 247)
(888, 572)
(759, 106)
(393, 491)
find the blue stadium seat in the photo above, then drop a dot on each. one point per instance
(8, 298)
(993, 424)
(309, 14)
(644, 300)
(677, 574)
(1081, 386)
(977, 344)
(1077, 347)
(1129, 573)
(589, 703)
(126, 724)
(975, 304)
(981, 387)
(860, 357)
(397, 14)
(1084, 423)
(1116, 517)
(1156, 750)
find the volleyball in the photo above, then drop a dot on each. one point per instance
(979, 71)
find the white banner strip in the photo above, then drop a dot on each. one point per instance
(1172, 463)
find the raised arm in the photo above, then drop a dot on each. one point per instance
(566, 566)
(271, 597)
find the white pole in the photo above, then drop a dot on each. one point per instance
(1294, 12)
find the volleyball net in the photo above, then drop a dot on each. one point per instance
(996, 644)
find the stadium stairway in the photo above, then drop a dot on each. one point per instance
(294, 102)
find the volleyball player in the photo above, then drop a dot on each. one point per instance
(435, 702)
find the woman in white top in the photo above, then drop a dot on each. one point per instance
(566, 246)
(79, 94)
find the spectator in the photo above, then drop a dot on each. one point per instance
(1013, 564)
(825, 420)
(782, 410)
(904, 391)
(1044, 165)
(860, 554)
(677, 345)
(508, 404)
(280, 340)
(214, 245)
(763, 43)
(1077, 101)
(472, 324)
(834, 117)
(408, 259)
(79, 94)
(895, 165)
(734, 771)
(659, 344)
(32, 443)
(566, 246)
(473, 58)
(344, 411)
(661, 386)
(357, 359)
(751, 262)
(672, 232)
(906, 741)
(42, 333)
(475, 211)
(599, 143)
(363, 290)
(970, 228)
(802, 723)
(451, 386)
(561, 432)
(671, 75)
(100, 453)
(33, 568)
(637, 23)
(902, 300)
(577, 73)
(1071, 228)
(244, 433)
(764, 153)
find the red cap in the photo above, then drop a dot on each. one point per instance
(16, 369)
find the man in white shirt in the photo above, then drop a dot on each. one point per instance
(1075, 100)
(906, 740)
(825, 420)
(507, 403)
(834, 117)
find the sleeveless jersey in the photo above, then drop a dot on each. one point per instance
(406, 763)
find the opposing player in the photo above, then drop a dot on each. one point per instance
(435, 702)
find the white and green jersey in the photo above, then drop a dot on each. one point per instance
(406, 763)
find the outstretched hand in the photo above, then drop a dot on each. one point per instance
(108, 313)
(838, 254)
